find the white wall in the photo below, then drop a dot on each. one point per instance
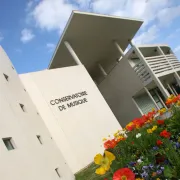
(78, 131)
(29, 160)
(118, 88)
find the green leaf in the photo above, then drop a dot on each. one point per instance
(168, 172)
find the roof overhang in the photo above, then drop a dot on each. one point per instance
(91, 36)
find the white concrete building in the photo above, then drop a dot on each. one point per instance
(148, 74)
(87, 40)
(88, 67)
(27, 150)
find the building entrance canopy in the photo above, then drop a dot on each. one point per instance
(91, 37)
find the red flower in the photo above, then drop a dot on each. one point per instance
(139, 122)
(130, 126)
(124, 174)
(165, 134)
(159, 142)
(178, 97)
(160, 122)
(110, 144)
(150, 115)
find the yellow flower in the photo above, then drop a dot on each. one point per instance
(104, 162)
(153, 109)
(120, 137)
(118, 131)
(154, 128)
(104, 139)
(139, 179)
(178, 139)
(171, 96)
(149, 131)
(163, 110)
(178, 103)
(116, 134)
(158, 179)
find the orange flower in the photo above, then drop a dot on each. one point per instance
(124, 174)
(120, 139)
(175, 99)
(149, 117)
(139, 122)
(169, 101)
(172, 99)
(165, 134)
(110, 144)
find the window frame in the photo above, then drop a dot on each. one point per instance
(6, 77)
(39, 139)
(57, 172)
(11, 143)
(22, 106)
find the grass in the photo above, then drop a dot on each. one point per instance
(88, 173)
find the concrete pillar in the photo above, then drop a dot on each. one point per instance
(170, 89)
(176, 75)
(156, 79)
(149, 94)
(174, 90)
(119, 49)
(73, 54)
(137, 106)
(160, 99)
(160, 50)
(102, 70)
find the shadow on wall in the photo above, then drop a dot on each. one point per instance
(118, 88)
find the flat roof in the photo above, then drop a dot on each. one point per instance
(91, 36)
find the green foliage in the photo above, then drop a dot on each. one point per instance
(89, 174)
(144, 151)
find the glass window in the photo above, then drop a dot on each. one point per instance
(57, 172)
(39, 139)
(22, 107)
(145, 103)
(156, 98)
(6, 77)
(160, 105)
(8, 143)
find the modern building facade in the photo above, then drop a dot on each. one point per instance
(27, 150)
(91, 88)
(74, 111)
(79, 129)
(148, 74)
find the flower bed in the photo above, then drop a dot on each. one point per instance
(148, 148)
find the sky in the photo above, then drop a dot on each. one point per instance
(30, 29)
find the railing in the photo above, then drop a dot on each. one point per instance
(173, 61)
(163, 64)
(142, 72)
(160, 65)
